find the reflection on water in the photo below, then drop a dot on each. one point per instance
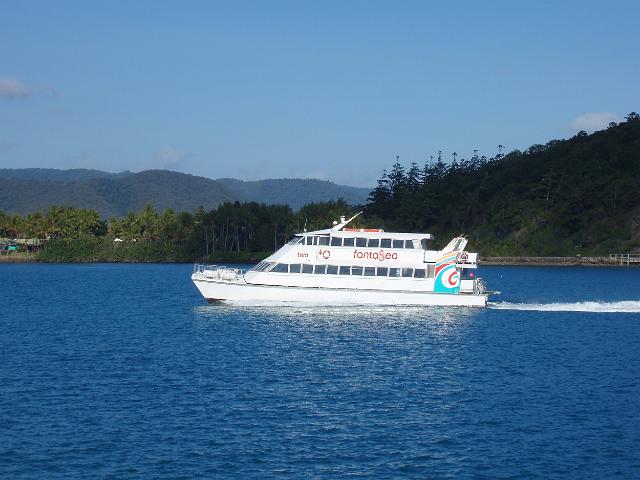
(441, 321)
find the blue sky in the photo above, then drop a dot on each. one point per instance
(330, 90)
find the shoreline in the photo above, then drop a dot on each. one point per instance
(555, 262)
(18, 258)
(488, 261)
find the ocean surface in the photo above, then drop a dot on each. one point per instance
(123, 371)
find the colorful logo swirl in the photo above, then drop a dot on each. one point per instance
(447, 276)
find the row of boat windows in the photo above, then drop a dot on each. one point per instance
(358, 242)
(345, 270)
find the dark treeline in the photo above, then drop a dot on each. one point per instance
(568, 197)
(227, 232)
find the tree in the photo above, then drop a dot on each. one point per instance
(382, 192)
(413, 178)
(633, 117)
(397, 179)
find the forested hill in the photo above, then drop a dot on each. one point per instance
(113, 195)
(295, 192)
(568, 197)
(116, 194)
(56, 175)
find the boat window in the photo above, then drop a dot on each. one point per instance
(394, 272)
(332, 269)
(369, 271)
(295, 268)
(320, 269)
(281, 268)
(323, 240)
(361, 242)
(356, 270)
(374, 243)
(345, 270)
(407, 272)
(270, 266)
(260, 267)
(408, 244)
(423, 244)
(467, 274)
(309, 240)
(398, 244)
(382, 271)
(306, 268)
(349, 242)
(431, 269)
(385, 243)
(336, 241)
(295, 240)
(419, 273)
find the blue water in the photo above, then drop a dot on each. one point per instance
(123, 371)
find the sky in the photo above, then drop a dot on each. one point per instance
(331, 90)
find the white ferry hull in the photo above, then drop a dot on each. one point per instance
(215, 291)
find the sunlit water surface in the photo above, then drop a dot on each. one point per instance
(123, 371)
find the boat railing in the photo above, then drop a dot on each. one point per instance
(479, 287)
(220, 272)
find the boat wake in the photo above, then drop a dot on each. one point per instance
(596, 307)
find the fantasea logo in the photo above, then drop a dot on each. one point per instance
(381, 255)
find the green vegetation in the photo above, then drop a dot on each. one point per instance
(568, 197)
(233, 232)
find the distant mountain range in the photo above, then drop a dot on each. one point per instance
(28, 190)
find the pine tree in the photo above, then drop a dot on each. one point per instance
(413, 178)
(397, 179)
(381, 193)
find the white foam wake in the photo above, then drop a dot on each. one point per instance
(598, 307)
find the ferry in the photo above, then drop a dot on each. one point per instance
(352, 266)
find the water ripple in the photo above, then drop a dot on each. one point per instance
(139, 379)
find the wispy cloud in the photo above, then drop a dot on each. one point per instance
(6, 146)
(592, 121)
(13, 88)
(171, 157)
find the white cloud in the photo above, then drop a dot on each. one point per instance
(13, 88)
(171, 157)
(592, 121)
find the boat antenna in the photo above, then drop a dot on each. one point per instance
(344, 222)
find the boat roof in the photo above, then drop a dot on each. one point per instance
(381, 234)
(337, 231)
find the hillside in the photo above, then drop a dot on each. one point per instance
(26, 196)
(56, 175)
(568, 197)
(294, 192)
(116, 194)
